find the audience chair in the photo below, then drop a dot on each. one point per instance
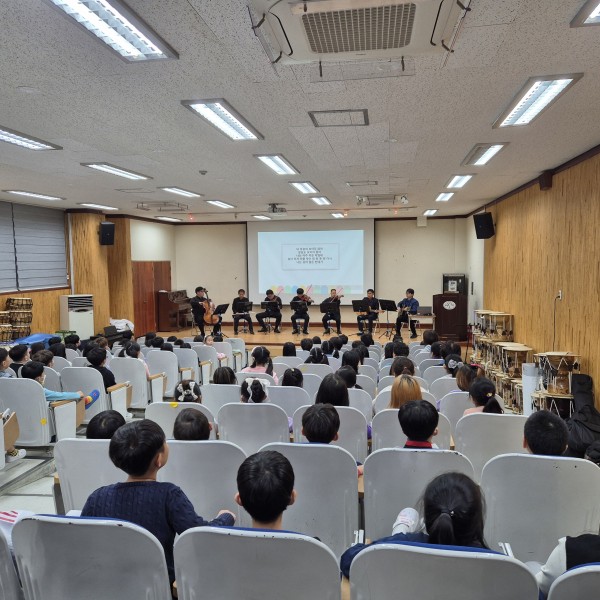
(320, 370)
(372, 361)
(335, 363)
(423, 358)
(432, 373)
(289, 361)
(215, 396)
(453, 405)
(416, 349)
(446, 385)
(60, 557)
(382, 400)
(327, 502)
(187, 360)
(579, 583)
(448, 572)
(311, 384)
(239, 353)
(241, 377)
(481, 437)
(396, 478)
(268, 565)
(279, 369)
(206, 472)
(39, 420)
(387, 432)
(52, 381)
(60, 363)
(71, 354)
(209, 354)
(143, 390)
(367, 384)
(227, 349)
(385, 381)
(429, 397)
(361, 400)
(302, 354)
(562, 492)
(10, 587)
(290, 398)
(369, 371)
(251, 426)
(165, 413)
(80, 361)
(422, 383)
(165, 362)
(384, 370)
(429, 362)
(84, 466)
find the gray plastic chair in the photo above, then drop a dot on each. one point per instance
(188, 359)
(369, 371)
(215, 396)
(453, 405)
(311, 384)
(239, 345)
(165, 413)
(10, 587)
(319, 370)
(368, 384)
(60, 363)
(290, 361)
(361, 400)
(384, 370)
(440, 387)
(86, 379)
(432, 373)
(52, 381)
(289, 398)
(580, 583)
(164, 362)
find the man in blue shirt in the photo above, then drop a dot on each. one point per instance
(410, 305)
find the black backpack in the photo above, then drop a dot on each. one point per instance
(584, 425)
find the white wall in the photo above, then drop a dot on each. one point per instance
(153, 242)
(475, 266)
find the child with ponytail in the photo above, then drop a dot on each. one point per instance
(261, 363)
(483, 395)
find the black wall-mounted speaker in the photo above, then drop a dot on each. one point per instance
(107, 233)
(484, 225)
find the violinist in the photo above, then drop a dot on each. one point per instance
(333, 314)
(301, 314)
(239, 311)
(373, 304)
(202, 308)
(276, 314)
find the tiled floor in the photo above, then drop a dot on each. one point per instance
(35, 493)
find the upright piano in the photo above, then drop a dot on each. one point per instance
(173, 309)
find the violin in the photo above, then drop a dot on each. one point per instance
(209, 309)
(336, 298)
(306, 298)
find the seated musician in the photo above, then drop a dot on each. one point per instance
(410, 305)
(301, 314)
(373, 304)
(200, 304)
(270, 312)
(333, 314)
(239, 311)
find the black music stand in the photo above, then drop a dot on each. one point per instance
(329, 307)
(360, 306)
(246, 308)
(270, 306)
(221, 310)
(300, 306)
(387, 305)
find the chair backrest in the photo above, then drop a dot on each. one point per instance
(430, 374)
(302, 354)
(369, 371)
(188, 359)
(384, 370)
(311, 384)
(372, 360)
(85, 379)
(448, 572)
(259, 564)
(165, 413)
(334, 363)
(208, 353)
(128, 561)
(84, 466)
(388, 434)
(239, 345)
(289, 398)
(382, 400)
(330, 510)
(453, 405)
(415, 349)
(424, 384)
(10, 588)
(251, 426)
(513, 484)
(52, 381)
(71, 354)
(206, 472)
(368, 384)
(429, 397)
(227, 349)
(420, 357)
(429, 362)
(279, 369)
(26, 398)
(60, 363)
(395, 478)
(385, 381)
(241, 377)
(440, 387)
(132, 370)
(361, 400)
(290, 361)
(320, 370)
(482, 436)
(215, 396)
(79, 361)
(579, 583)
(164, 362)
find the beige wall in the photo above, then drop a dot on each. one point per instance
(154, 242)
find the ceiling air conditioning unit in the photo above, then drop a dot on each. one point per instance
(296, 31)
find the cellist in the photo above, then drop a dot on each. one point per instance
(202, 308)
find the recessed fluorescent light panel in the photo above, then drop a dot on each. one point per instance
(277, 163)
(430, 212)
(98, 206)
(364, 183)
(220, 204)
(123, 31)
(481, 154)
(169, 219)
(25, 141)
(304, 187)
(337, 215)
(112, 170)
(262, 217)
(458, 181)
(180, 192)
(536, 95)
(33, 195)
(321, 201)
(588, 15)
(224, 117)
(444, 197)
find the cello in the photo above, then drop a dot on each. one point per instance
(209, 309)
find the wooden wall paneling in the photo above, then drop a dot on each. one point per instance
(46, 309)
(120, 276)
(90, 265)
(144, 297)
(162, 275)
(545, 242)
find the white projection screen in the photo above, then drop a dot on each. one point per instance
(314, 255)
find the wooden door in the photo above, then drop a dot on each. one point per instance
(144, 297)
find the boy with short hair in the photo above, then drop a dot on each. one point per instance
(5, 364)
(418, 420)
(140, 449)
(191, 425)
(265, 482)
(73, 339)
(97, 359)
(19, 355)
(103, 425)
(545, 434)
(306, 344)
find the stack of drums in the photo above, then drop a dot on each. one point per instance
(20, 316)
(557, 369)
(5, 327)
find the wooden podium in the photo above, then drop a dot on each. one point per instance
(450, 311)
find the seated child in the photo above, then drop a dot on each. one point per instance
(306, 344)
(292, 377)
(97, 359)
(265, 482)
(58, 349)
(72, 340)
(167, 347)
(418, 421)
(5, 362)
(209, 340)
(188, 391)
(545, 433)
(103, 425)
(19, 355)
(140, 449)
(224, 376)
(191, 425)
(35, 370)
(453, 511)
(45, 357)
(482, 394)
(348, 375)
(254, 390)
